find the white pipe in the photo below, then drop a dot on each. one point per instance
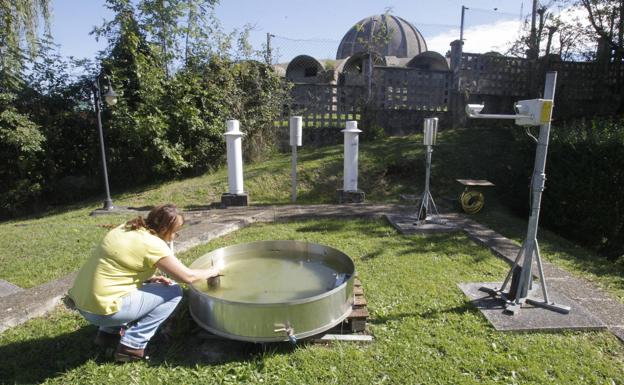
(296, 124)
(233, 137)
(351, 142)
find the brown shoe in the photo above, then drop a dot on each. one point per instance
(106, 340)
(127, 354)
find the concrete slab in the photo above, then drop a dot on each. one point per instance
(7, 288)
(608, 310)
(618, 332)
(407, 224)
(19, 307)
(530, 318)
(120, 210)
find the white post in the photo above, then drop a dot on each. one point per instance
(351, 140)
(233, 137)
(296, 124)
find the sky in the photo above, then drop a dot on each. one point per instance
(316, 27)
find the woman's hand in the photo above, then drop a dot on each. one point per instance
(211, 272)
(176, 269)
(160, 279)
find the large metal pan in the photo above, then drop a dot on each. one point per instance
(273, 291)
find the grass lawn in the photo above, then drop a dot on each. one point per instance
(38, 249)
(425, 331)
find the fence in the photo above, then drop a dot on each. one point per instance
(398, 98)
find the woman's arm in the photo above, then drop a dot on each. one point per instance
(176, 269)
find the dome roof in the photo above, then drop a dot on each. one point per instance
(386, 34)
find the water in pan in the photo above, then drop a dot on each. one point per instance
(272, 279)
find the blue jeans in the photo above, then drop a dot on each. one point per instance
(144, 309)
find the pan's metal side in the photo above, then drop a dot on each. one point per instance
(265, 322)
(259, 322)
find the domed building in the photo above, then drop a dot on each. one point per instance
(386, 35)
(382, 61)
(380, 40)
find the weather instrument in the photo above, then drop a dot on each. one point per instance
(427, 205)
(534, 112)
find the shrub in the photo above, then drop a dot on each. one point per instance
(584, 196)
(20, 148)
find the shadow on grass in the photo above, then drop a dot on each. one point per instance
(182, 342)
(428, 314)
(321, 227)
(37, 360)
(197, 346)
(34, 361)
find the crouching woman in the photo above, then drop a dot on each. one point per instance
(117, 288)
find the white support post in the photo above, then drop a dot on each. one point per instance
(233, 137)
(296, 124)
(351, 143)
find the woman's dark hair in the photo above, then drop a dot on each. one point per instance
(160, 220)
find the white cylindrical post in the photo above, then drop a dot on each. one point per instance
(430, 131)
(351, 142)
(296, 130)
(296, 123)
(233, 137)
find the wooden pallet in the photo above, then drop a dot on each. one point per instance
(359, 315)
(353, 328)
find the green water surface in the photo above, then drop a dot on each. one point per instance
(271, 280)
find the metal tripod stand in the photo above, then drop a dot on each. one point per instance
(426, 201)
(530, 248)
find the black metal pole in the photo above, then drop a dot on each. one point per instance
(108, 202)
(461, 27)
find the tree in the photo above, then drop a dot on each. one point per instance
(560, 32)
(20, 138)
(606, 18)
(19, 22)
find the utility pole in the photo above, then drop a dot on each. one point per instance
(268, 57)
(461, 27)
(533, 50)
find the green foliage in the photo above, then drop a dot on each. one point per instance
(584, 196)
(19, 22)
(20, 145)
(177, 84)
(586, 184)
(257, 99)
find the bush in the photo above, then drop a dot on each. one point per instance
(20, 148)
(584, 196)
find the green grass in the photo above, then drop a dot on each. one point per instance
(425, 330)
(38, 249)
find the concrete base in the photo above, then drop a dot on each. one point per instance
(116, 210)
(350, 196)
(408, 224)
(7, 288)
(19, 307)
(228, 199)
(530, 318)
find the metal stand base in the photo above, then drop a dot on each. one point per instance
(425, 216)
(514, 306)
(114, 210)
